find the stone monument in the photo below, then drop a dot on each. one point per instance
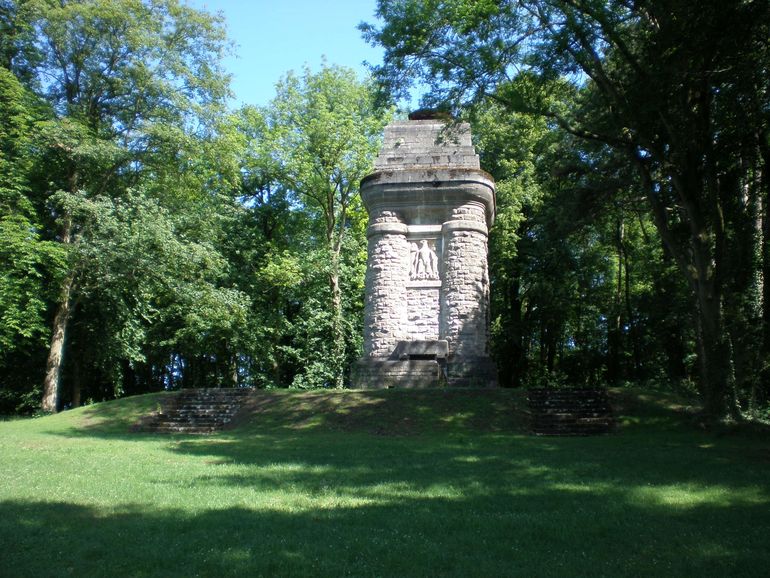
(426, 310)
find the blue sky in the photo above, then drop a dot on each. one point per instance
(273, 37)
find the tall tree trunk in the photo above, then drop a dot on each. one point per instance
(550, 358)
(718, 381)
(338, 339)
(129, 379)
(763, 178)
(702, 265)
(77, 383)
(717, 378)
(514, 366)
(233, 369)
(615, 319)
(633, 330)
(55, 361)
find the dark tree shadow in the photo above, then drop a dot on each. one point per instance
(487, 532)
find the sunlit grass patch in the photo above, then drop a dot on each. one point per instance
(689, 495)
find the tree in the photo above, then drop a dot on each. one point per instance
(27, 260)
(129, 83)
(680, 89)
(29, 264)
(569, 257)
(323, 131)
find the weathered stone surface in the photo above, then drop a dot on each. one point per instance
(385, 373)
(430, 209)
(423, 312)
(421, 349)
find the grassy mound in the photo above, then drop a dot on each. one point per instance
(386, 483)
(388, 412)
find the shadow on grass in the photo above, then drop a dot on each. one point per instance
(400, 413)
(378, 412)
(658, 469)
(389, 412)
(534, 524)
(110, 418)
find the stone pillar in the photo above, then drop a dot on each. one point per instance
(465, 289)
(385, 311)
(465, 295)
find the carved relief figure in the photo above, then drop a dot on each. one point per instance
(424, 262)
(413, 250)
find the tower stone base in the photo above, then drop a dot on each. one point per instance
(412, 364)
(384, 374)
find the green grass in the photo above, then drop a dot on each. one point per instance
(386, 483)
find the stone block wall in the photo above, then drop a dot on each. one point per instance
(426, 143)
(423, 313)
(465, 295)
(385, 285)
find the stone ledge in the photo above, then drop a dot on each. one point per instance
(461, 225)
(426, 284)
(429, 175)
(407, 193)
(405, 350)
(386, 229)
(424, 230)
(369, 373)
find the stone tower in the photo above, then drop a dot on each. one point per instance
(427, 285)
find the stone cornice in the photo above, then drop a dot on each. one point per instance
(463, 225)
(424, 187)
(386, 229)
(432, 174)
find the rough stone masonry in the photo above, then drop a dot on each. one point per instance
(426, 310)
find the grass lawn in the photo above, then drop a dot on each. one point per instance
(384, 483)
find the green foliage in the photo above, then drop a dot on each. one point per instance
(303, 158)
(580, 281)
(665, 99)
(29, 264)
(121, 193)
(144, 286)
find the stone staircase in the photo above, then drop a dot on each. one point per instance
(570, 412)
(195, 411)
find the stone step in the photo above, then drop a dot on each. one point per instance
(214, 393)
(567, 391)
(567, 401)
(211, 398)
(182, 414)
(195, 404)
(543, 397)
(183, 424)
(571, 412)
(180, 429)
(201, 410)
(196, 411)
(566, 416)
(556, 411)
(176, 419)
(209, 408)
